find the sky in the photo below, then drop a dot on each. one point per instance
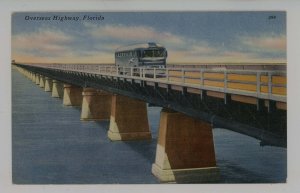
(189, 37)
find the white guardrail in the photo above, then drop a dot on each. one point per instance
(266, 84)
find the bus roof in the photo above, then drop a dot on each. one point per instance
(139, 46)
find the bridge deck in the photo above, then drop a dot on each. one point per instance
(264, 84)
(249, 101)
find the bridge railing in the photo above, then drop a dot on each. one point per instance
(269, 84)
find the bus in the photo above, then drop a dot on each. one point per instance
(150, 54)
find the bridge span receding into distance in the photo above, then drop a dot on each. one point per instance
(249, 99)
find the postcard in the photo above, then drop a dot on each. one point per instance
(51, 144)
(149, 97)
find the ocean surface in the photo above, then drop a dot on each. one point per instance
(50, 145)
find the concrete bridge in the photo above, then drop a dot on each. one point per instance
(248, 100)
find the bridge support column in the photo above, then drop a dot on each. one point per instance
(57, 89)
(26, 73)
(72, 95)
(48, 84)
(29, 74)
(95, 105)
(37, 79)
(42, 81)
(128, 120)
(185, 150)
(33, 77)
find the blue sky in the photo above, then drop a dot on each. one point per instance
(190, 37)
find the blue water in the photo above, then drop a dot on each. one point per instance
(50, 145)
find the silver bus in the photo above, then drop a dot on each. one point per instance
(141, 55)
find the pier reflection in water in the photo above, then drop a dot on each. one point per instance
(50, 145)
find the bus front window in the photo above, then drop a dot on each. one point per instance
(158, 53)
(153, 53)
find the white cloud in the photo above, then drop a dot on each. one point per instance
(48, 45)
(265, 42)
(131, 33)
(42, 42)
(40, 38)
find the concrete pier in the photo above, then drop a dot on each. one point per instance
(48, 84)
(26, 73)
(42, 81)
(185, 150)
(72, 95)
(128, 120)
(57, 89)
(37, 79)
(33, 77)
(96, 105)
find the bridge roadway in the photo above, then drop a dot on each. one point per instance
(249, 101)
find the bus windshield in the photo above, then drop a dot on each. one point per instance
(153, 53)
